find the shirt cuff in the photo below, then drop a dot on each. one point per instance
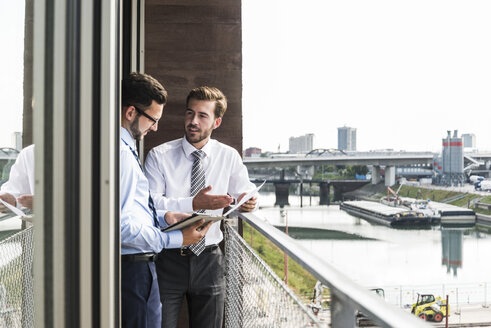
(161, 216)
(175, 239)
(186, 204)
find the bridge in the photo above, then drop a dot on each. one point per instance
(389, 160)
(282, 189)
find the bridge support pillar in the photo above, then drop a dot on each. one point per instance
(282, 192)
(338, 193)
(324, 193)
(375, 174)
(390, 175)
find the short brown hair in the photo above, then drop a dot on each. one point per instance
(139, 89)
(210, 93)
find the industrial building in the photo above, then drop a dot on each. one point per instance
(252, 152)
(347, 138)
(452, 161)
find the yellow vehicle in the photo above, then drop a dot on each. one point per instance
(429, 308)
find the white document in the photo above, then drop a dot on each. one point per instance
(244, 199)
(13, 208)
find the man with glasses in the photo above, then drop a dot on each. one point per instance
(143, 100)
(195, 173)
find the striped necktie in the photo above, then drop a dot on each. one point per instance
(151, 205)
(198, 183)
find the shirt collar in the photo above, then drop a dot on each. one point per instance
(127, 138)
(189, 149)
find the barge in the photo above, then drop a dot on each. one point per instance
(455, 216)
(384, 214)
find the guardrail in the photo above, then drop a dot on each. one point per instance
(346, 296)
(255, 295)
(484, 206)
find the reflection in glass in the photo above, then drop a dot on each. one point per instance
(452, 240)
(7, 159)
(18, 189)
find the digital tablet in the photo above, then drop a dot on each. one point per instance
(192, 220)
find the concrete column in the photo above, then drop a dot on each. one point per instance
(390, 175)
(282, 192)
(324, 193)
(338, 193)
(375, 174)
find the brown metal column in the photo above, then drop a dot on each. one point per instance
(192, 43)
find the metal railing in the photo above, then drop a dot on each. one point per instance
(16, 280)
(255, 296)
(346, 296)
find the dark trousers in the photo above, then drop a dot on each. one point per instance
(201, 279)
(140, 302)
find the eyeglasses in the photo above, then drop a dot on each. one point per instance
(142, 112)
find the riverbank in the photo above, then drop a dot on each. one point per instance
(299, 279)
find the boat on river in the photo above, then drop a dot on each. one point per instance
(437, 213)
(454, 216)
(384, 214)
(422, 206)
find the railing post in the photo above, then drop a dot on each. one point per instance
(342, 313)
(301, 193)
(457, 296)
(310, 193)
(485, 294)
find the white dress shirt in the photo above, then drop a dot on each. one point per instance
(168, 169)
(138, 231)
(21, 179)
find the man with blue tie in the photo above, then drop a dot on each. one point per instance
(143, 100)
(195, 173)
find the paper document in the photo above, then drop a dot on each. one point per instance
(197, 216)
(13, 208)
(244, 199)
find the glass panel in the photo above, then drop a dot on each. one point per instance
(16, 167)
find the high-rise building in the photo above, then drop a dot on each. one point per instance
(17, 140)
(302, 144)
(469, 140)
(347, 138)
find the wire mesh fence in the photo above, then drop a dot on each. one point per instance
(255, 296)
(16, 280)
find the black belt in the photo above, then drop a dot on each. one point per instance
(142, 257)
(187, 252)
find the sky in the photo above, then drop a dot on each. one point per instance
(401, 72)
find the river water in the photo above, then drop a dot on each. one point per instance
(378, 256)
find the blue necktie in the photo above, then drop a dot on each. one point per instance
(150, 200)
